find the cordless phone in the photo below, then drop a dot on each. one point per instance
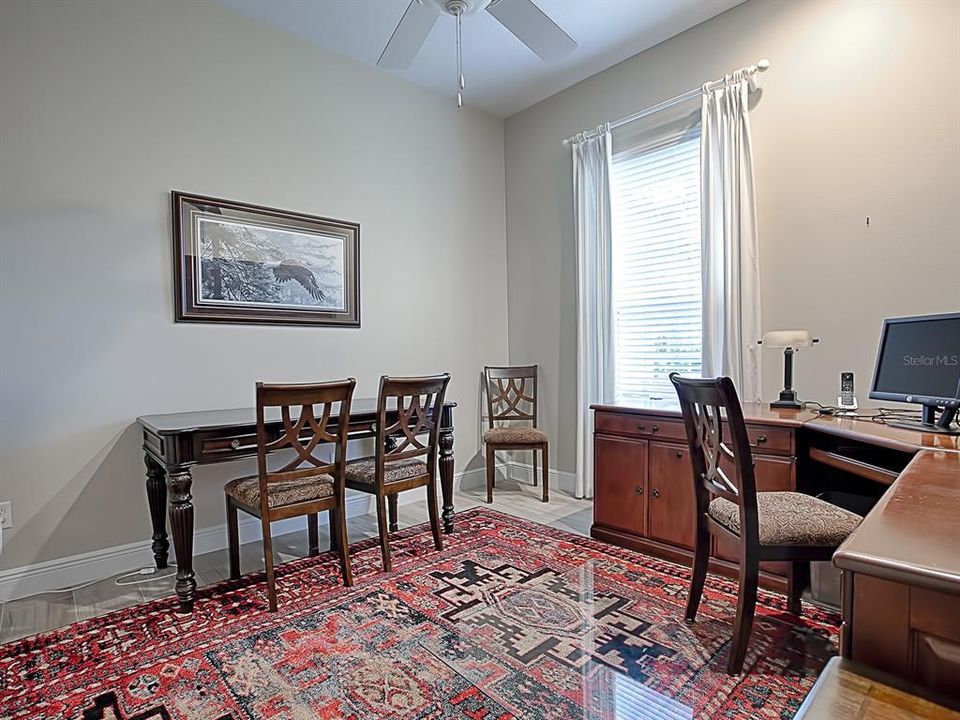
(847, 400)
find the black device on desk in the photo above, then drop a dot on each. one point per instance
(919, 362)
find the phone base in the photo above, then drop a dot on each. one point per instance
(846, 407)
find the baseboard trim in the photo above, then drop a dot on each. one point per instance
(559, 479)
(74, 570)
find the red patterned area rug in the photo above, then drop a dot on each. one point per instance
(511, 620)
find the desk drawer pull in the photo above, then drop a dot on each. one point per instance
(638, 490)
(641, 427)
(761, 439)
(235, 444)
(656, 428)
(679, 453)
(655, 493)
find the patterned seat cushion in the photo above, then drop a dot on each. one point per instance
(515, 436)
(789, 518)
(365, 470)
(281, 492)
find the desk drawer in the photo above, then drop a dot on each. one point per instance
(770, 439)
(639, 426)
(211, 446)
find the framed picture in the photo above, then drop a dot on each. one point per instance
(239, 263)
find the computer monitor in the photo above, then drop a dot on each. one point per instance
(919, 362)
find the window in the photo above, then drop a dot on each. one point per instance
(657, 289)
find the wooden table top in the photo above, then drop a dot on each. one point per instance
(912, 535)
(181, 422)
(752, 412)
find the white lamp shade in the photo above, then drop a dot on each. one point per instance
(788, 338)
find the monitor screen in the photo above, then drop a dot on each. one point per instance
(920, 356)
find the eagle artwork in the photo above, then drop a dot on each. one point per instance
(295, 270)
(242, 263)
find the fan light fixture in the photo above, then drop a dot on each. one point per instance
(523, 18)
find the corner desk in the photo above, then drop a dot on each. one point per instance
(173, 443)
(901, 567)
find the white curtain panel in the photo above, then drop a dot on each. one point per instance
(595, 350)
(730, 255)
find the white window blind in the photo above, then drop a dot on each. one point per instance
(657, 289)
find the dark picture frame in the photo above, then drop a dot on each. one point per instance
(240, 263)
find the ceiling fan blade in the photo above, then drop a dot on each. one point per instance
(410, 34)
(533, 28)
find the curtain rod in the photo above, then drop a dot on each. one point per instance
(750, 70)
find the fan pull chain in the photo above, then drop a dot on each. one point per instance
(459, 64)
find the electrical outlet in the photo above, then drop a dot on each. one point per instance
(6, 515)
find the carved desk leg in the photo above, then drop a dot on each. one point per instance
(157, 500)
(179, 482)
(446, 476)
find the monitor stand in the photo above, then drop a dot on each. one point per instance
(929, 422)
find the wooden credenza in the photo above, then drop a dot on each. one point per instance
(644, 489)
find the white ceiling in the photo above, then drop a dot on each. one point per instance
(502, 75)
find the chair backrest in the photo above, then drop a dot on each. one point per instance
(418, 404)
(312, 414)
(511, 393)
(721, 467)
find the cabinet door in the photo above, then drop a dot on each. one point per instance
(620, 473)
(772, 473)
(671, 503)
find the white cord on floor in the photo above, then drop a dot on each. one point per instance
(148, 575)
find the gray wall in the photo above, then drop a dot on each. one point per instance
(107, 106)
(859, 117)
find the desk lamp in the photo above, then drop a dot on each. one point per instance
(790, 341)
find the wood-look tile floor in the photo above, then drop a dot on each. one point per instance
(39, 613)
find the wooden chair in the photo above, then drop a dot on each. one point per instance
(403, 460)
(508, 402)
(305, 485)
(779, 526)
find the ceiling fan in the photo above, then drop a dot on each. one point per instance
(521, 17)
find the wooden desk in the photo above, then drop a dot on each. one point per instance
(174, 443)
(901, 592)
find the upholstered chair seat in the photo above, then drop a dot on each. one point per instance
(515, 436)
(365, 470)
(246, 491)
(790, 518)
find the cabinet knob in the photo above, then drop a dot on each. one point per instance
(761, 439)
(638, 489)
(679, 453)
(655, 493)
(641, 427)
(656, 428)
(235, 444)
